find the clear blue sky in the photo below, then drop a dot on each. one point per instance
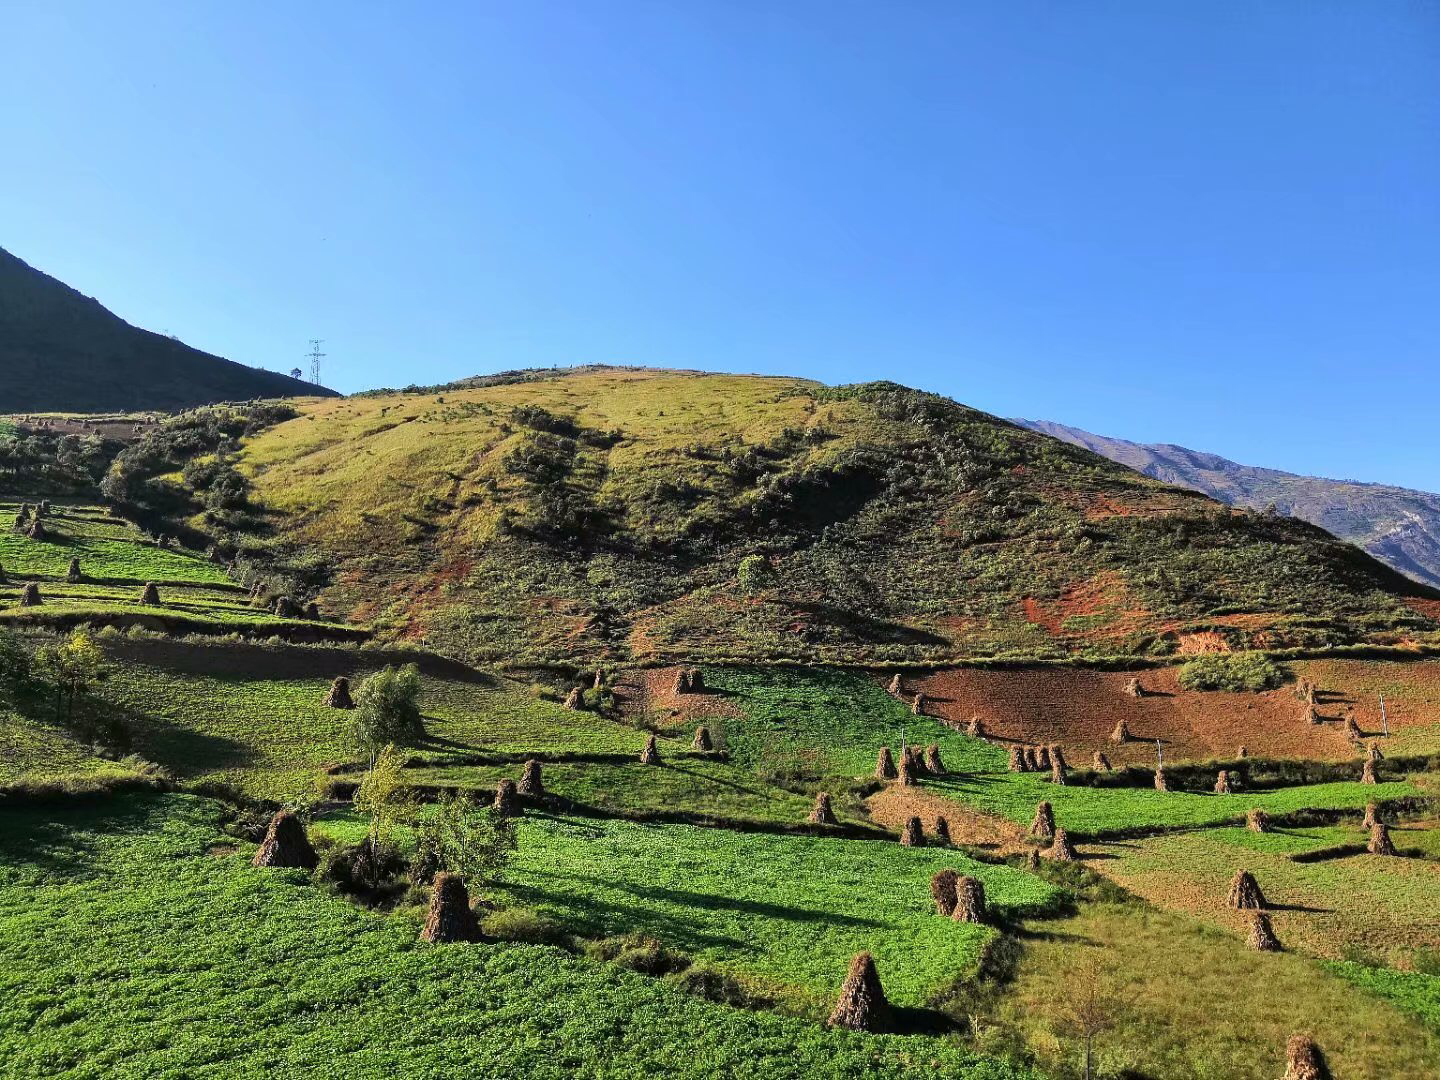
(1216, 224)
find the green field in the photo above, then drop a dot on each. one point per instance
(790, 909)
(108, 549)
(135, 947)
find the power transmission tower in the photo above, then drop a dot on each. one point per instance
(315, 355)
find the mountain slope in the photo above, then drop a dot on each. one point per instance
(611, 515)
(1400, 527)
(62, 352)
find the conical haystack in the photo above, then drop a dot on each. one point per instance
(532, 781)
(1352, 730)
(933, 765)
(682, 681)
(897, 687)
(822, 813)
(1057, 770)
(907, 772)
(917, 705)
(1304, 1061)
(575, 699)
(1060, 848)
(1242, 752)
(1133, 688)
(286, 844)
(312, 611)
(1222, 783)
(976, 728)
(73, 575)
(1121, 733)
(1372, 815)
(339, 696)
(1245, 892)
(1257, 820)
(651, 754)
(36, 531)
(1373, 753)
(150, 595)
(913, 835)
(969, 901)
(1380, 842)
(1032, 759)
(1017, 759)
(942, 891)
(1043, 825)
(1367, 773)
(507, 799)
(1042, 757)
(910, 755)
(885, 765)
(942, 831)
(1161, 784)
(1312, 716)
(1262, 933)
(1100, 763)
(30, 596)
(862, 1005)
(702, 743)
(450, 918)
(695, 681)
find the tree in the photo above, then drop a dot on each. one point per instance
(1092, 1005)
(74, 666)
(387, 711)
(383, 794)
(464, 838)
(755, 573)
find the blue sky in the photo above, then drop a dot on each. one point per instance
(1211, 224)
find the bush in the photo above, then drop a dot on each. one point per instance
(522, 924)
(755, 573)
(387, 710)
(1236, 672)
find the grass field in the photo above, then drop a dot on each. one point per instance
(790, 909)
(108, 549)
(135, 947)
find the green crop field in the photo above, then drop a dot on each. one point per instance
(194, 964)
(108, 550)
(789, 909)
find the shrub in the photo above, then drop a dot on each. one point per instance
(755, 573)
(522, 924)
(1235, 672)
(386, 710)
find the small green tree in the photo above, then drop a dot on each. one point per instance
(755, 573)
(387, 711)
(464, 838)
(384, 795)
(74, 667)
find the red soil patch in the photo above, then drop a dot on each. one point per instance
(1429, 608)
(1103, 595)
(895, 805)
(652, 693)
(1206, 641)
(1079, 709)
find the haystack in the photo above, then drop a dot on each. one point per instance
(1133, 688)
(682, 681)
(1222, 783)
(1060, 848)
(907, 771)
(286, 844)
(913, 835)
(1372, 815)
(969, 900)
(1160, 782)
(73, 575)
(36, 531)
(651, 754)
(917, 705)
(942, 831)
(1057, 770)
(862, 1005)
(1380, 843)
(1042, 757)
(1032, 860)
(911, 755)
(1242, 752)
(312, 611)
(339, 696)
(1032, 759)
(150, 595)
(933, 765)
(696, 681)
(702, 742)
(599, 683)
(1017, 759)
(450, 918)
(1367, 773)
(532, 781)
(1304, 1061)
(286, 608)
(1372, 753)
(23, 518)
(43, 509)
(896, 686)
(1043, 825)
(885, 765)
(1262, 934)
(1311, 715)
(1245, 892)
(30, 596)
(976, 728)
(575, 699)
(942, 890)
(1257, 820)
(507, 799)
(1100, 762)
(1352, 730)
(821, 813)
(1121, 733)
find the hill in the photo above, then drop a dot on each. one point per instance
(1400, 527)
(62, 351)
(642, 515)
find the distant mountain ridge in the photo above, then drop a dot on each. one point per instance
(61, 351)
(1398, 526)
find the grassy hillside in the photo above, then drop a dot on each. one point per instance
(604, 515)
(60, 350)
